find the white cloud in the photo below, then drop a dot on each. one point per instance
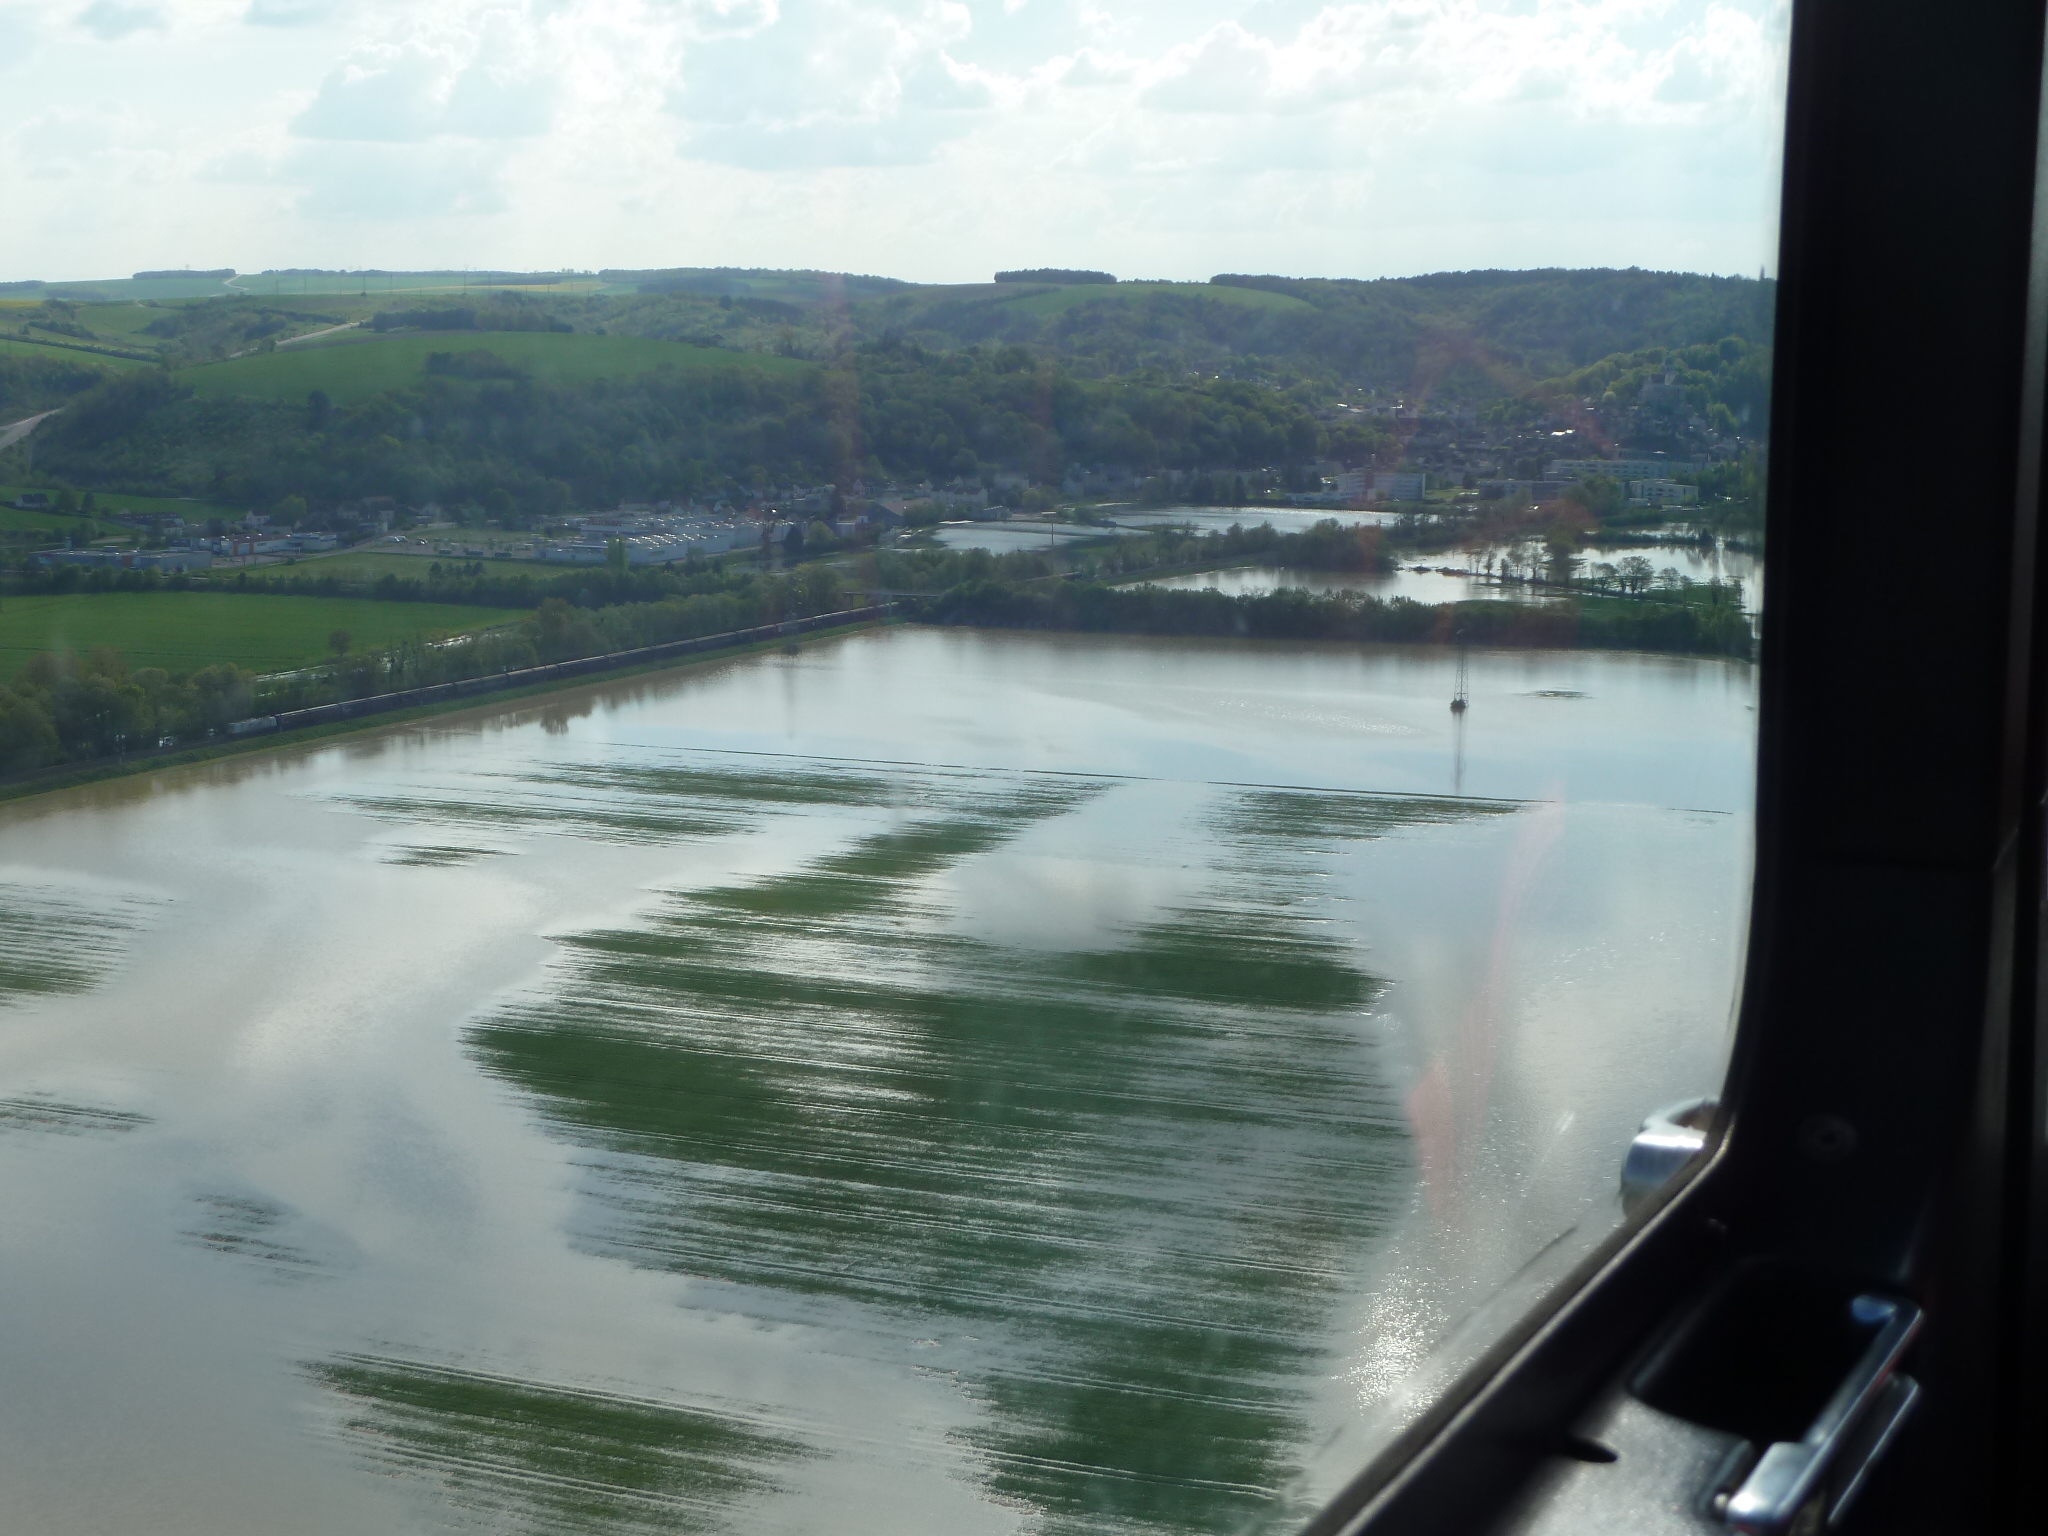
(383, 182)
(1156, 136)
(390, 94)
(18, 37)
(286, 13)
(109, 20)
(71, 144)
(815, 83)
(411, 93)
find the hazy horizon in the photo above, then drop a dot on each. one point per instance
(491, 270)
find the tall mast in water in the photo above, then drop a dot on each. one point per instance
(1460, 695)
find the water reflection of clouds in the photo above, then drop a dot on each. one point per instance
(1086, 880)
(1607, 990)
(297, 1024)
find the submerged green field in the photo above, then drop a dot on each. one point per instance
(1116, 1190)
(356, 369)
(183, 631)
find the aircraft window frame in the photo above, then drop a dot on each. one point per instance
(1885, 1124)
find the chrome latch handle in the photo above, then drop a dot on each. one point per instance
(1668, 1140)
(1798, 1485)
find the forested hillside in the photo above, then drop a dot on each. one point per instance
(1468, 336)
(474, 423)
(1459, 337)
(31, 383)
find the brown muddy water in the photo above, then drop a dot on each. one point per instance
(933, 1082)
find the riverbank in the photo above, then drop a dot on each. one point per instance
(322, 722)
(1294, 614)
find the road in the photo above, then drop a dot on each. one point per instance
(9, 436)
(293, 341)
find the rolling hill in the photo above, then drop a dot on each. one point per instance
(353, 370)
(1057, 301)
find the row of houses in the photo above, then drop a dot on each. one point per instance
(676, 539)
(1645, 492)
(127, 559)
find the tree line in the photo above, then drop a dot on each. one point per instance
(62, 708)
(1294, 614)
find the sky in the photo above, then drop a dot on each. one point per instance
(936, 140)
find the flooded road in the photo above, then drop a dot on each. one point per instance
(934, 1082)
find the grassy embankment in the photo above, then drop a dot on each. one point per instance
(413, 565)
(184, 631)
(95, 771)
(353, 368)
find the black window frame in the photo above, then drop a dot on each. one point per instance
(1883, 1115)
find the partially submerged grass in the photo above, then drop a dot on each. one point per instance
(53, 1117)
(250, 1228)
(538, 1457)
(52, 943)
(630, 804)
(1138, 1174)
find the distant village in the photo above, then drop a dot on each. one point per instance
(1450, 454)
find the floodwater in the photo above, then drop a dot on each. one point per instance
(936, 1081)
(1001, 537)
(1425, 580)
(1220, 519)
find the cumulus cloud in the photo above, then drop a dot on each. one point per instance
(411, 93)
(1092, 67)
(389, 182)
(109, 20)
(812, 84)
(286, 13)
(17, 37)
(67, 144)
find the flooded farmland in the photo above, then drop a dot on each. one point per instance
(1457, 576)
(931, 1082)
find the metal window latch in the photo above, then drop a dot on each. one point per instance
(1670, 1138)
(1804, 1486)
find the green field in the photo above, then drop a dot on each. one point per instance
(367, 565)
(394, 285)
(116, 289)
(123, 323)
(14, 346)
(13, 520)
(183, 631)
(1062, 299)
(355, 370)
(107, 503)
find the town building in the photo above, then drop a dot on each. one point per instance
(1661, 493)
(127, 559)
(1521, 490)
(1618, 469)
(1398, 485)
